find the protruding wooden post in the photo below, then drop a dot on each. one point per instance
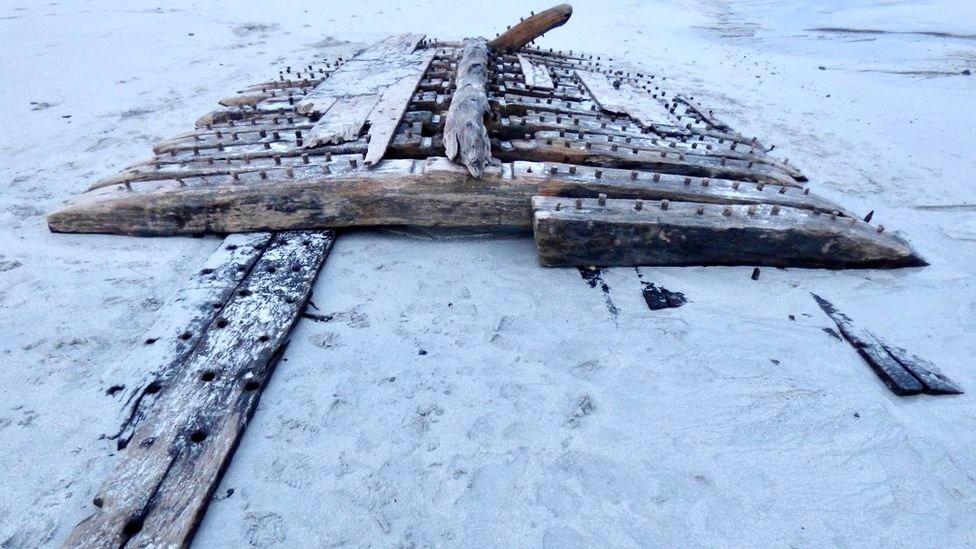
(464, 126)
(528, 30)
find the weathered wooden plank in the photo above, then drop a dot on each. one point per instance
(536, 74)
(393, 102)
(622, 97)
(343, 120)
(902, 372)
(180, 323)
(531, 28)
(589, 153)
(368, 73)
(465, 136)
(427, 192)
(626, 232)
(158, 492)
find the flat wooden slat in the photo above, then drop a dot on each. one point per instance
(158, 492)
(536, 74)
(625, 98)
(623, 232)
(386, 115)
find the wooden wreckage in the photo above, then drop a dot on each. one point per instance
(605, 166)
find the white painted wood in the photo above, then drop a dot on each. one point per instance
(536, 74)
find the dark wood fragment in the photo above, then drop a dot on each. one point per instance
(159, 491)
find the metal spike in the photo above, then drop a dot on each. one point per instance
(602, 199)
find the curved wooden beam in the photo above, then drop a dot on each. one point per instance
(528, 30)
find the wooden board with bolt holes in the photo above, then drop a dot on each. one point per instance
(165, 476)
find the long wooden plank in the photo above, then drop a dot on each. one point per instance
(610, 232)
(342, 121)
(536, 74)
(158, 493)
(622, 97)
(179, 326)
(465, 136)
(903, 373)
(386, 116)
(432, 191)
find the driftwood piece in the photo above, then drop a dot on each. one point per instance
(158, 493)
(180, 324)
(902, 372)
(465, 135)
(385, 117)
(429, 192)
(529, 29)
(536, 74)
(622, 97)
(626, 232)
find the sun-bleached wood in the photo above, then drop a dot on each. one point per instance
(465, 136)
(622, 97)
(385, 116)
(531, 28)
(536, 74)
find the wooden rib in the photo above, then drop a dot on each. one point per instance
(465, 136)
(158, 493)
(610, 232)
(572, 151)
(386, 116)
(532, 28)
(536, 74)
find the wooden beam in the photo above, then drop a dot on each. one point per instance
(902, 372)
(465, 136)
(536, 74)
(157, 494)
(529, 29)
(430, 192)
(608, 232)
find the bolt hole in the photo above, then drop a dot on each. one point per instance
(263, 338)
(97, 502)
(251, 385)
(186, 335)
(152, 388)
(150, 341)
(208, 376)
(222, 323)
(132, 527)
(272, 269)
(198, 436)
(206, 271)
(244, 293)
(295, 268)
